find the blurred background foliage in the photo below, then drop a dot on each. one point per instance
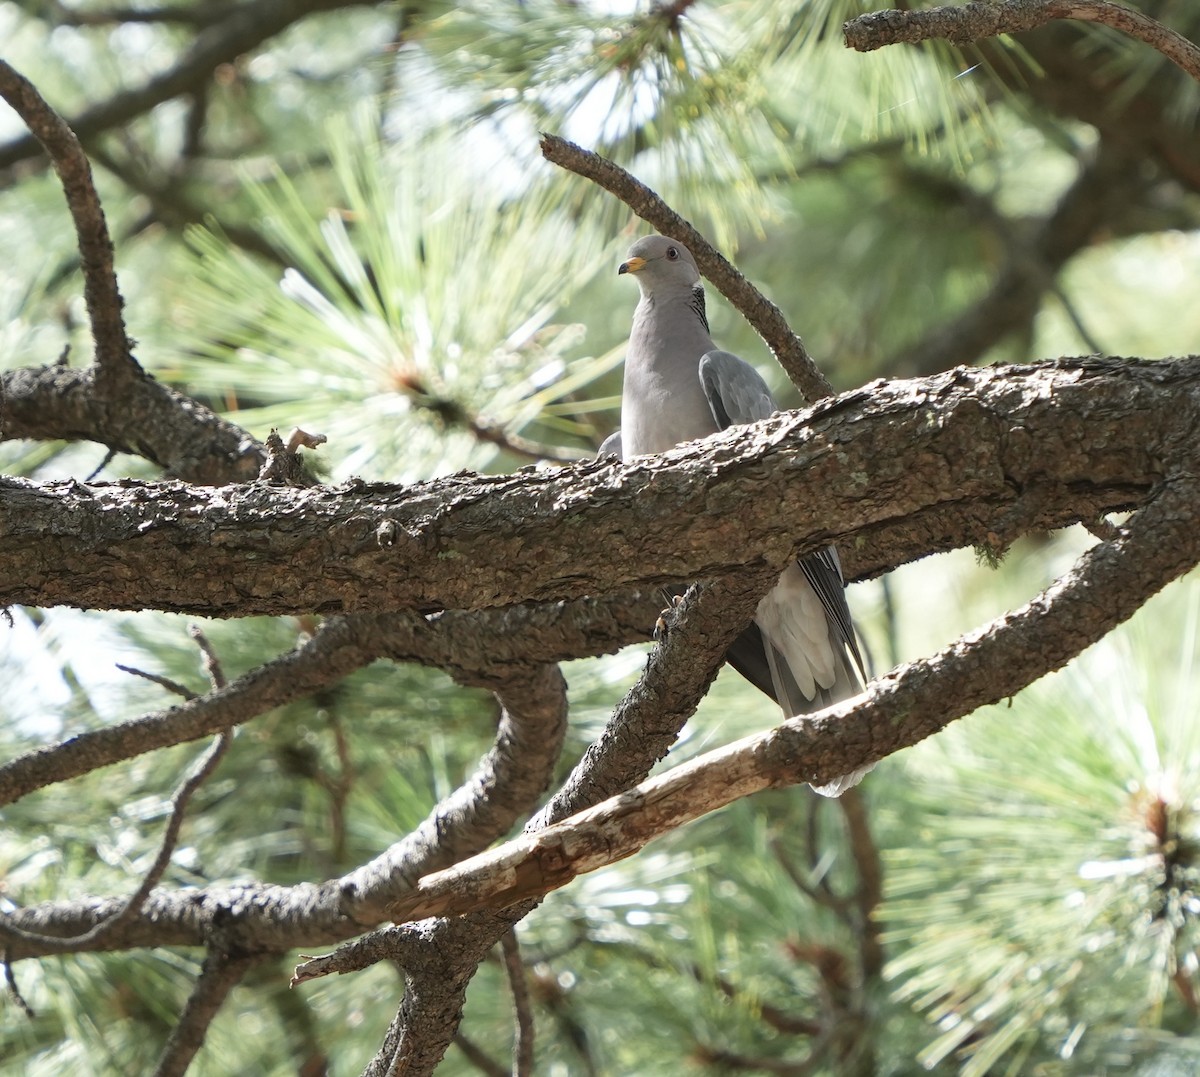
(342, 222)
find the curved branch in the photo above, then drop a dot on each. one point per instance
(1108, 585)
(465, 645)
(505, 786)
(440, 956)
(977, 20)
(100, 291)
(766, 318)
(153, 421)
(272, 919)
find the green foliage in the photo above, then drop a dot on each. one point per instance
(421, 276)
(1070, 817)
(369, 335)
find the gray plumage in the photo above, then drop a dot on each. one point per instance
(678, 387)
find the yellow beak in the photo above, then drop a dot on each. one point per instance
(631, 266)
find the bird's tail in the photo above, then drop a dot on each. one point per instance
(793, 702)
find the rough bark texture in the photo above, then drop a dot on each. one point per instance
(901, 468)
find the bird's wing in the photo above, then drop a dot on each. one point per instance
(735, 390)
(737, 394)
(611, 445)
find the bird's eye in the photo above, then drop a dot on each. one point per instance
(672, 253)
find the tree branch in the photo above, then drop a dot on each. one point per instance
(505, 786)
(272, 919)
(897, 469)
(976, 20)
(114, 358)
(133, 906)
(153, 421)
(465, 645)
(1108, 585)
(514, 967)
(220, 974)
(759, 311)
(440, 956)
(335, 651)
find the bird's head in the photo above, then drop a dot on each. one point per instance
(661, 266)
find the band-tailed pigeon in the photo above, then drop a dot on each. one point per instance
(679, 386)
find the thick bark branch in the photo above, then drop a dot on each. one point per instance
(903, 468)
(184, 438)
(1109, 584)
(971, 22)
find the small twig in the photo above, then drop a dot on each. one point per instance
(453, 413)
(14, 992)
(777, 1019)
(722, 1059)
(1076, 319)
(522, 1008)
(100, 290)
(219, 975)
(212, 664)
(200, 773)
(870, 876)
(478, 1057)
(976, 20)
(154, 678)
(108, 459)
(385, 944)
(818, 892)
(338, 787)
(766, 318)
(488, 431)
